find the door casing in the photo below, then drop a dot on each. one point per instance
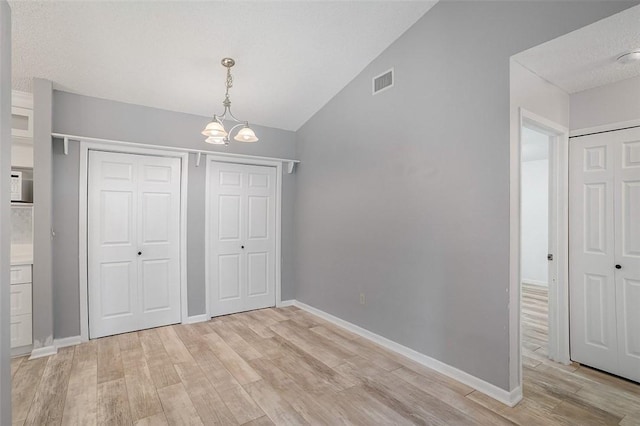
(85, 147)
(559, 227)
(278, 204)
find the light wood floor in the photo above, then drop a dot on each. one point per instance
(285, 366)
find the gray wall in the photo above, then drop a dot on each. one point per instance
(5, 218)
(622, 100)
(407, 198)
(99, 118)
(42, 215)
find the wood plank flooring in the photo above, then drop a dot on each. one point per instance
(286, 366)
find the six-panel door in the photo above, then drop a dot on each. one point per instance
(242, 227)
(604, 251)
(133, 242)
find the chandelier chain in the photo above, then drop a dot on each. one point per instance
(215, 131)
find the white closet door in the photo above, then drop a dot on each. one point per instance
(591, 253)
(133, 242)
(242, 237)
(605, 251)
(627, 224)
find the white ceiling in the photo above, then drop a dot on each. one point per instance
(586, 58)
(291, 57)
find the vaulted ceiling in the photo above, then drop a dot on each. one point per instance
(291, 57)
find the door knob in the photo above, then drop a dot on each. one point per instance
(242, 247)
(618, 266)
(139, 253)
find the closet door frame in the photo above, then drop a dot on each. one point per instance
(85, 147)
(278, 205)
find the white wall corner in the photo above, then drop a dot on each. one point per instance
(493, 391)
(196, 318)
(285, 303)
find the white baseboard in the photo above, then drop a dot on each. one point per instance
(43, 351)
(499, 394)
(285, 303)
(196, 318)
(67, 341)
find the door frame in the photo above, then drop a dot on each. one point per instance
(83, 255)
(207, 249)
(559, 222)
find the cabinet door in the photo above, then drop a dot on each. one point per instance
(20, 299)
(21, 330)
(21, 122)
(20, 274)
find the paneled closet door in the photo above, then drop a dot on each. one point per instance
(242, 226)
(605, 251)
(627, 224)
(133, 242)
(592, 253)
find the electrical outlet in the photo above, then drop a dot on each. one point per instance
(362, 301)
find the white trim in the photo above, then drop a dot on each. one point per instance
(278, 263)
(67, 341)
(559, 222)
(285, 303)
(241, 157)
(508, 398)
(85, 146)
(604, 128)
(196, 318)
(43, 351)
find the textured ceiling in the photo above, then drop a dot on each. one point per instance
(291, 57)
(586, 58)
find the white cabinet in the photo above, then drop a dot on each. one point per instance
(21, 129)
(21, 122)
(21, 306)
(20, 274)
(21, 330)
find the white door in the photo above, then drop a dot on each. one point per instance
(605, 251)
(242, 237)
(133, 242)
(627, 229)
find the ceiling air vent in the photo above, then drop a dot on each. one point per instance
(383, 82)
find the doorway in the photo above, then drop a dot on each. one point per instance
(148, 163)
(543, 247)
(536, 255)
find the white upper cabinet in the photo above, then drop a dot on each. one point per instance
(22, 129)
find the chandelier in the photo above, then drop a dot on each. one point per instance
(215, 131)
